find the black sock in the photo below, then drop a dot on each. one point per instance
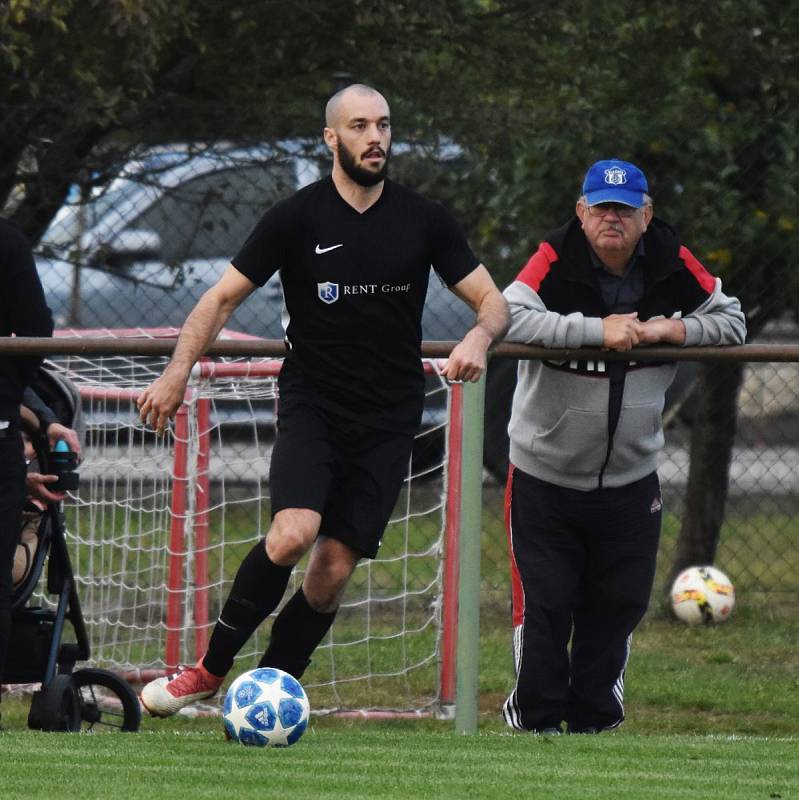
(296, 632)
(257, 589)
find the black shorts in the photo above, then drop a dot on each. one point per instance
(349, 472)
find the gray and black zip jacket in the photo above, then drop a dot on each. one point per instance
(586, 424)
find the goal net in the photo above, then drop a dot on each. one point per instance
(159, 526)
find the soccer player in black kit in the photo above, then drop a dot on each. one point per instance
(354, 252)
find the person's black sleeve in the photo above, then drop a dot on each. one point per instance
(453, 259)
(264, 252)
(23, 309)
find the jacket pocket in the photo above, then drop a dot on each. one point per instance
(639, 434)
(576, 444)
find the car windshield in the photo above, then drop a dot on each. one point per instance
(211, 215)
(75, 217)
(200, 207)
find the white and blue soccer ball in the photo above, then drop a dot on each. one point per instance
(266, 707)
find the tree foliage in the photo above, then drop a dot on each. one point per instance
(703, 97)
(85, 81)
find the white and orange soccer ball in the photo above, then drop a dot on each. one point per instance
(702, 595)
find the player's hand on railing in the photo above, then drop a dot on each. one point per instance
(620, 331)
(159, 402)
(467, 361)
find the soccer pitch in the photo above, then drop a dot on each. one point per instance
(712, 713)
(402, 761)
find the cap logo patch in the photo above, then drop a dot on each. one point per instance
(615, 176)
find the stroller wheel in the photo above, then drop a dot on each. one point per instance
(55, 706)
(106, 701)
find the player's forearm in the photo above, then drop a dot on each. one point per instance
(493, 317)
(202, 326)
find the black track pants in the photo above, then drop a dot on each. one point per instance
(583, 565)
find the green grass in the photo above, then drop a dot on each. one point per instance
(710, 711)
(396, 761)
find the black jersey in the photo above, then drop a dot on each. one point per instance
(354, 287)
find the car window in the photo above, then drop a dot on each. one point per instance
(210, 216)
(73, 218)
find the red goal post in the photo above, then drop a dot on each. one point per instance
(192, 577)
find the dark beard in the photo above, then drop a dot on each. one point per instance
(361, 176)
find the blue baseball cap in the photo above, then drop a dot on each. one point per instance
(615, 181)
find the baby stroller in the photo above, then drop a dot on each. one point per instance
(69, 699)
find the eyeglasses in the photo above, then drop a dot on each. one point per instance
(603, 209)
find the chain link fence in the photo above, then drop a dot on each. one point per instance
(138, 251)
(756, 546)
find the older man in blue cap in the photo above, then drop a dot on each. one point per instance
(583, 496)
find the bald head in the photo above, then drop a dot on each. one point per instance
(338, 104)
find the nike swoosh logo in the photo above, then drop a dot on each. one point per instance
(320, 250)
